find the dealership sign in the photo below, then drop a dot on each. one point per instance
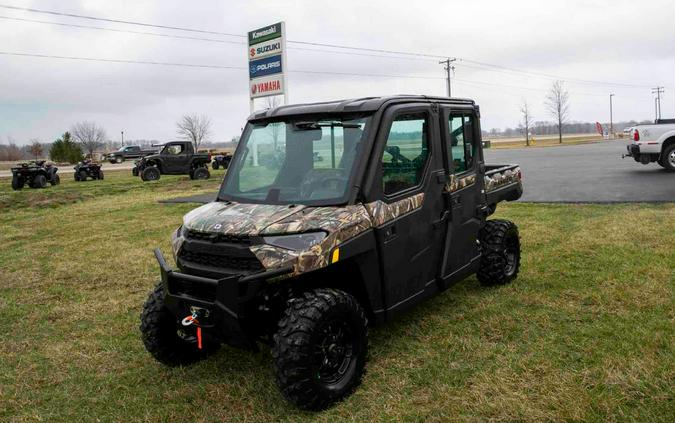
(267, 61)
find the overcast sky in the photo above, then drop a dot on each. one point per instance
(627, 43)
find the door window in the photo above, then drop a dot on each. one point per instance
(405, 154)
(174, 149)
(461, 148)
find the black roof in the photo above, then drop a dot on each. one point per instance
(365, 104)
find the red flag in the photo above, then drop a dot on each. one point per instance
(598, 128)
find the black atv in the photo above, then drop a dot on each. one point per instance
(221, 160)
(36, 173)
(88, 169)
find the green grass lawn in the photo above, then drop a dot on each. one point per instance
(585, 333)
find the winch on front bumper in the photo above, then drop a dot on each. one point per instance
(223, 299)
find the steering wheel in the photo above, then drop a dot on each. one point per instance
(308, 187)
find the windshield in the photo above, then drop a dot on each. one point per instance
(302, 161)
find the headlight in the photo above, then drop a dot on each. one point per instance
(297, 242)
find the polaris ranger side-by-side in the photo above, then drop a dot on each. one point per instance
(303, 254)
(175, 158)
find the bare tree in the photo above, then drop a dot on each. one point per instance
(90, 135)
(35, 148)
(526, 124)
(557, 102)
(194, 128)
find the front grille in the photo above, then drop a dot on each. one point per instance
(215, 237)
(225, 262)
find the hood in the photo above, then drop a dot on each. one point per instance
(236, 218)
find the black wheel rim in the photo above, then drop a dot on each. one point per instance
(511, 252)
(334, 352)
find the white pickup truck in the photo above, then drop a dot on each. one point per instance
(654, 143)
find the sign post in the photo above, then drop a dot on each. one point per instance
(267, 62)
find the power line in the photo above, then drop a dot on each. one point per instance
(337, 46)
(192, 65)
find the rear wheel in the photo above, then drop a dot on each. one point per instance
(215, 165)
(165, 338)
(17, 183)
(667, 159)
(320, 348)
(56, 179)
(39, 181)
(150, 173)
(100, 174)
(201, 173)
(500, 250)
(83, 175)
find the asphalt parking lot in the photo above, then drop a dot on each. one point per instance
(589, 173)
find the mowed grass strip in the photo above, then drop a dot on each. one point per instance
(584, 333)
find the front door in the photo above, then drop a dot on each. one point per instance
(408, 218)
(461, 133)
(175, 158)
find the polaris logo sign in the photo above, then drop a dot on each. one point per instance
(267, 59)
(264, 67)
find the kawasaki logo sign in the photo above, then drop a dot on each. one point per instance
(266, 54)
(264, 34)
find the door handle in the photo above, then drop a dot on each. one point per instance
(444, 216)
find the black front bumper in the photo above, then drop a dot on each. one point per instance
(224, 299)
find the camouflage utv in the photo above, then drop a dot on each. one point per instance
(304, 255)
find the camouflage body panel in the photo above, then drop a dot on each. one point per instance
(259, 220)
(340, 224)
(456, 183)
(382, 212)
(500, 179)
(236, 218)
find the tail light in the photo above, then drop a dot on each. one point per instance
(636, 135)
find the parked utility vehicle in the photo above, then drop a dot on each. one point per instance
(654, 143)
(175, 158)
(35, 173)
(303, 255)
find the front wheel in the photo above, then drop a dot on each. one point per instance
(150, 173)
(500, 252)
(215, 165)
(56, 179)
(320, 348)
(17, 183)
(165, 338)
(119, 159)
(40, 181)
(201, 173)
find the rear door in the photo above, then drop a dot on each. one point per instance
(460, 137)
(410, 180)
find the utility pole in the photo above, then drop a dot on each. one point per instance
(611, 122)
(448, 67)
(656, 110)
(658, 91)
(122, 137)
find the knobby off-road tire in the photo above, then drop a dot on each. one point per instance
(667, 159)
(500, 246)
(159, 332)
(83, 175)
(319, 351)
(40, 181)
(100, 175)
(17, 183)
(215, 165)
(201, 173)
(56, 179)
(150, 173)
